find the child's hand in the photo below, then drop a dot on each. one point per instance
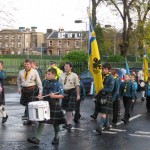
(52, 95)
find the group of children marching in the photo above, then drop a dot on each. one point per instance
(107, 101)
(117, 90)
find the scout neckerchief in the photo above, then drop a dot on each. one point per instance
(115, 76)
(105, 76)
(125, 88)
(67, 74)
(26, 74)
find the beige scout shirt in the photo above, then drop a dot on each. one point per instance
(72, 81)
(32, 79)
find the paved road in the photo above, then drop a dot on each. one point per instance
(133, 136)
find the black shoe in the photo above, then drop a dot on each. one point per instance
(114, 124)
(33, 140)
(94, 116)
(27, 123)
(106, 128)
(55, 141)
(24, 118)
(65, 126)
(125, 121)
(69, 127)
(4, 119)
(99, 130)
(76, 121)
(143, 98)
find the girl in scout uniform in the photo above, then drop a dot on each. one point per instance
(71, 87)
(127, 92)
(104, 98)
(52, 87)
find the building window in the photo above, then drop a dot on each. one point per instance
(12, 44)
(50, 43)
(19, 44)
(59, 43)
(73, 35)
(0, 37)
(19, 36)
(77, 44)
(12, 37)
(68, 43)
(0, 44)
(6, 44)
(6, 37)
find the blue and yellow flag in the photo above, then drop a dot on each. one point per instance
(95, 65)
(127, 68)
(145, 66)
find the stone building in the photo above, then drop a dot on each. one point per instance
(20, 41)
(61, 42)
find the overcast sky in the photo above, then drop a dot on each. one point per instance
(54, 14)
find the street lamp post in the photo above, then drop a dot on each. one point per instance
(109, 26)
(81, 21)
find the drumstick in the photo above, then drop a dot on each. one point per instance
(46, 95)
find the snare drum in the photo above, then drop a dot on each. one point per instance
(142, 84)
(39, 111)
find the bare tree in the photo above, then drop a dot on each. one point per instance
(6, 14)
(142, 8)
(123, 7)
(95, 4)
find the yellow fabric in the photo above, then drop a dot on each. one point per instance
(58, 72)
(95, 63)
(145, 68)
(26, 76)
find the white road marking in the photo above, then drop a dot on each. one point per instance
(77, 129)
(109, 132)
(141, 132)
(119, 130)
(137, 135)
(132, 118)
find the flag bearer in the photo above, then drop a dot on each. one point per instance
(104, 98)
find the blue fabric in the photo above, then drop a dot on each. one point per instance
(2, 76)
(148, 92)
(127, 68)
(135, 85)
(130, 90)
(51, 86)
(108, 84)
(115, 91)
(102, 121)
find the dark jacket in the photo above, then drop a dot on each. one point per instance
(127, 89)
(2, 78)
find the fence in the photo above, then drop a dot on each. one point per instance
(13, 66)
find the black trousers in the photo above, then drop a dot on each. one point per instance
(148, 103)
(77, 114)
(115, 111)
(127, 101)
(96, 109)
